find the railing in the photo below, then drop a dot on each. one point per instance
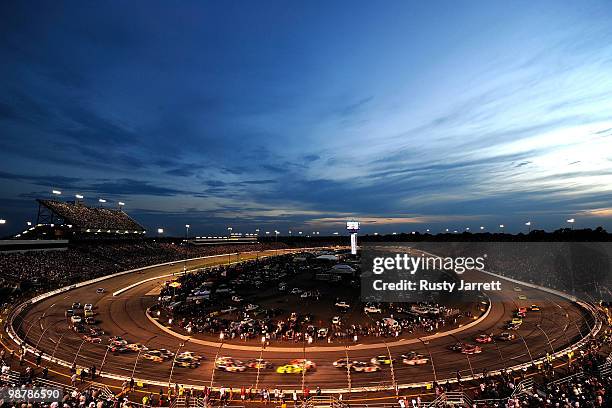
(567, 379)
(11, 377)
(50, 383)
(522, 387)
(102, 389)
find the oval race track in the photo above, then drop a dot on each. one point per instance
(562, 321)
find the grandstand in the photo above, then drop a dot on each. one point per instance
(59, 219)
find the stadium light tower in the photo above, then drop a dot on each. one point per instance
(481, 228)
(160, 231)
(571, 222)
(229, 232)
(2, 221)
(187, 231)
(353, 227)
(121, 204)
(56, 192)
(528, 224)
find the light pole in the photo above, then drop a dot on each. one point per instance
(547, 338)
(260, 361)
(348, 369)
(433, 366)
(138, 355)
(54, 350)
(181, 345)
(40, 338)
(30, 328)
(212, 375)
(77, 353)
(526, 347)
(501, 356)
(106, 353)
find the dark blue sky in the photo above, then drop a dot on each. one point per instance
(299, 115)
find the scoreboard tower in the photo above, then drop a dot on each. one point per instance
(353, 227)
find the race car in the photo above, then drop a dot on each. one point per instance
(96, 331)
(363, 367)
(190, 354)
(512, 326)
(471, 349)
(186, 362)
(307, 364)
(290, 369)
(117, 348)
(90, 320)
(381, 359)
(259, 363)
(483, 339)
(118, 340)
(229, 364)
(100, 290)
(456, 347)
(534, 308)
(522, 297)
(342, 363)
(517, 320)
(92, 339)
(166, 353)
(505, 336)
(414, 358)
(136, 347)
(521, 312)
(153, 355)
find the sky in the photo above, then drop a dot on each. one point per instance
(302, 115)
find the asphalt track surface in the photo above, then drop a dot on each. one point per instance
(45, 325)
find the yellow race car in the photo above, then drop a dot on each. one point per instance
(289, 369)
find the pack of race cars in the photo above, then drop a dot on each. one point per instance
(84, 322)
